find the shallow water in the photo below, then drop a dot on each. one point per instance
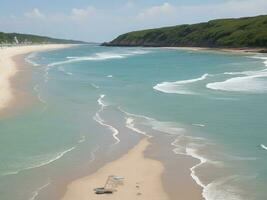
(93, 99)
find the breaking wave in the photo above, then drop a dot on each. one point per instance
(36, 161)
(178, 87)
(29, 59)
(38, 190)
(263, 146)
(99, 57)
(102, 122)
(251, 81)
(130, 125)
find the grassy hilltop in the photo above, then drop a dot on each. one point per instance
(9, 38)
(234, 33)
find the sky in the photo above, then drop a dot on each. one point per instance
(103, 20)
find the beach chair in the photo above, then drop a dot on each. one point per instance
(109, 187)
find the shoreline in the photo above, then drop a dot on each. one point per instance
(216, 49)
(150, 171)
(11, 62)
(164, 186)
(227, 50)
(141, 178)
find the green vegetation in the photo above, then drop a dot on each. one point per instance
(242, 32)
(9, 38)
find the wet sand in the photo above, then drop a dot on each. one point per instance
(9, 67)
(142, 178)
(150, 171)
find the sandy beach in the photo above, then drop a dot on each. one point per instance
(142, 178)
(8, 68)
(227, 50)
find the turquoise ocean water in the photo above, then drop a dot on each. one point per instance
(93, 100)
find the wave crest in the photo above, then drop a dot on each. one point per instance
(250, 81)
(98, 57)
(178, 87)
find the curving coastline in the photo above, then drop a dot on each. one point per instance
(9, 68)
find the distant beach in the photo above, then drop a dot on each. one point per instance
(9, 68)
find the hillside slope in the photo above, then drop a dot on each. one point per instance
(12, 38)
(241, 32)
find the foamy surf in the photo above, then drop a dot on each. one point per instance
(102, 122)
(250, 84)
(94, 86)
(192, 152)
(101, 102)
(200, 125)
(178, 87)
(263, 146)
(218, 189)
(114, 131)
(190, 146)
(221, 190)
(29, 60)
(250, 81)
(130, 125)
(93, 157)
(38, 161)
(38, 93)
(164, 127)
(61, 69)
(98, 57)
(35, 194)
(129, 122)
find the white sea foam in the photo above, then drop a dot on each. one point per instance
(200, 125)
(179, 149)
(188, 145)
(98, 57)
(38, 190)
(38, 161)
(130, 124)
(95, 86)
(82, 139)
(263, 146)
(29, 59)
(218, 189)
(221, 190)
(134, 115)
(36, 88)
(240, 158)
(164, 127)
(46, 74)
(102, 122)
(61, 69)
(192, 152)
(114, 131)
(250, 82)
(101, 102)
(178, 87)
(93, 154)
(109, 76)
(51, 158)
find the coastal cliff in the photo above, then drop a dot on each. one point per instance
(231, 33)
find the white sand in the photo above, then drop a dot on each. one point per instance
(8, 67)
(142, 179)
